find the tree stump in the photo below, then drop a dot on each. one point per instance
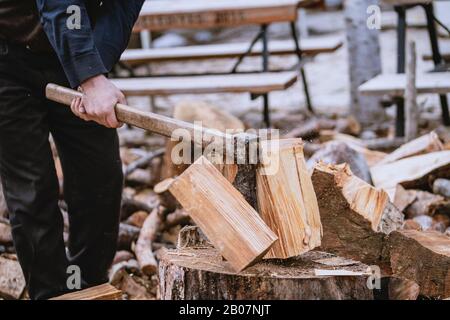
(197, 271)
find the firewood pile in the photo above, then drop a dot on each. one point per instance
(356, 199)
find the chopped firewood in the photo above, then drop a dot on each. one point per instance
(442, 187)
(201, 273)
(403, 198)
(411, 224)
(340, 152)
(424, 257)
(147, 236)
(127, 235)
(424, 144)
(206, 115)
(122, 255)
(12, 282)
(192, 236)
(355, 216)
(418, 172)
(117, 270)
(101, 292)
(292, 213)
(133, 289)
(372, 157)
(447, 232)
(166, 198)
(5, 234)
(424, 221)
(311, 128)
(222, 213)
(3, 208)
(140, 177)
(178, 217)
(149, 198)
(424, 203)
(143, 162)
(382, 144)
(137, 219)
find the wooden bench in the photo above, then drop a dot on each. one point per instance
(101, 292)
(309, 46)
(255, 83)
(395, 84)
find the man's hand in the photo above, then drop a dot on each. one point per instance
(99, 99)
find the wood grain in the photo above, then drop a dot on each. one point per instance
(221, 212)
(101, 292)
(286, 199)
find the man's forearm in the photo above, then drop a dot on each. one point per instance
(75, 47)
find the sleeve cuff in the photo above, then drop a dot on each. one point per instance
(83, 67)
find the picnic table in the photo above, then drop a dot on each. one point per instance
(201, 14)
(401, 6)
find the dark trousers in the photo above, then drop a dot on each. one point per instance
(92, 170)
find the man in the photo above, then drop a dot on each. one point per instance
(39, 46)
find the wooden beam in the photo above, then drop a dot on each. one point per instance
(222, 213)
(286, 198)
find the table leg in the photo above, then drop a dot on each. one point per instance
(299, 53)
(401, 57)
(437, 58)
(265, 65)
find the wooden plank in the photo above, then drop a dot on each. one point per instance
(222, 213)
(395, 84)
(164, 15)
(286, 198)
(237, 83)
(101, 292)
(309, 46)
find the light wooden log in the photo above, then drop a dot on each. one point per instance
(411, 109)
(442, 187)
(416, 172)
(355, 216)
(228, 221)
(101, 292)
(424, 257)
(143, 249)
(286, 198)
(5, 234)
(12, 281)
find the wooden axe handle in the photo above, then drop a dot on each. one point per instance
(146, 120)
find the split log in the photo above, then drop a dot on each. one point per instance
(396, 288)
(418, 172)
(119, 269)
(147, 236)
(425, 222)
(355, 216)
(122, 255)
(311, 128)
(338, 153)
(412, 113)
(178, 217)
(202, 274)
(442, 187)
(424, 257)
(286, 199)
(402, 197)
(167, 200)
(228, 221)
(12, 281)
(422, 145)
(133, 288)
(5, 234)
(143, 161)
(411, 224)
(101, 292)
(140, 177)
(192, 237)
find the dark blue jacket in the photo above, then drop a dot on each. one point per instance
(94, 48)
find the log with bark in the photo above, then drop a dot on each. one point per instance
(143, 249)
(442, 187)
(286, 198)
(127, 235)
(199, 273)
(424, 257)
(222, 213)
(355, 216)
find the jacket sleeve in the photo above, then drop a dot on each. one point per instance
(113, 28)
(75, 47)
